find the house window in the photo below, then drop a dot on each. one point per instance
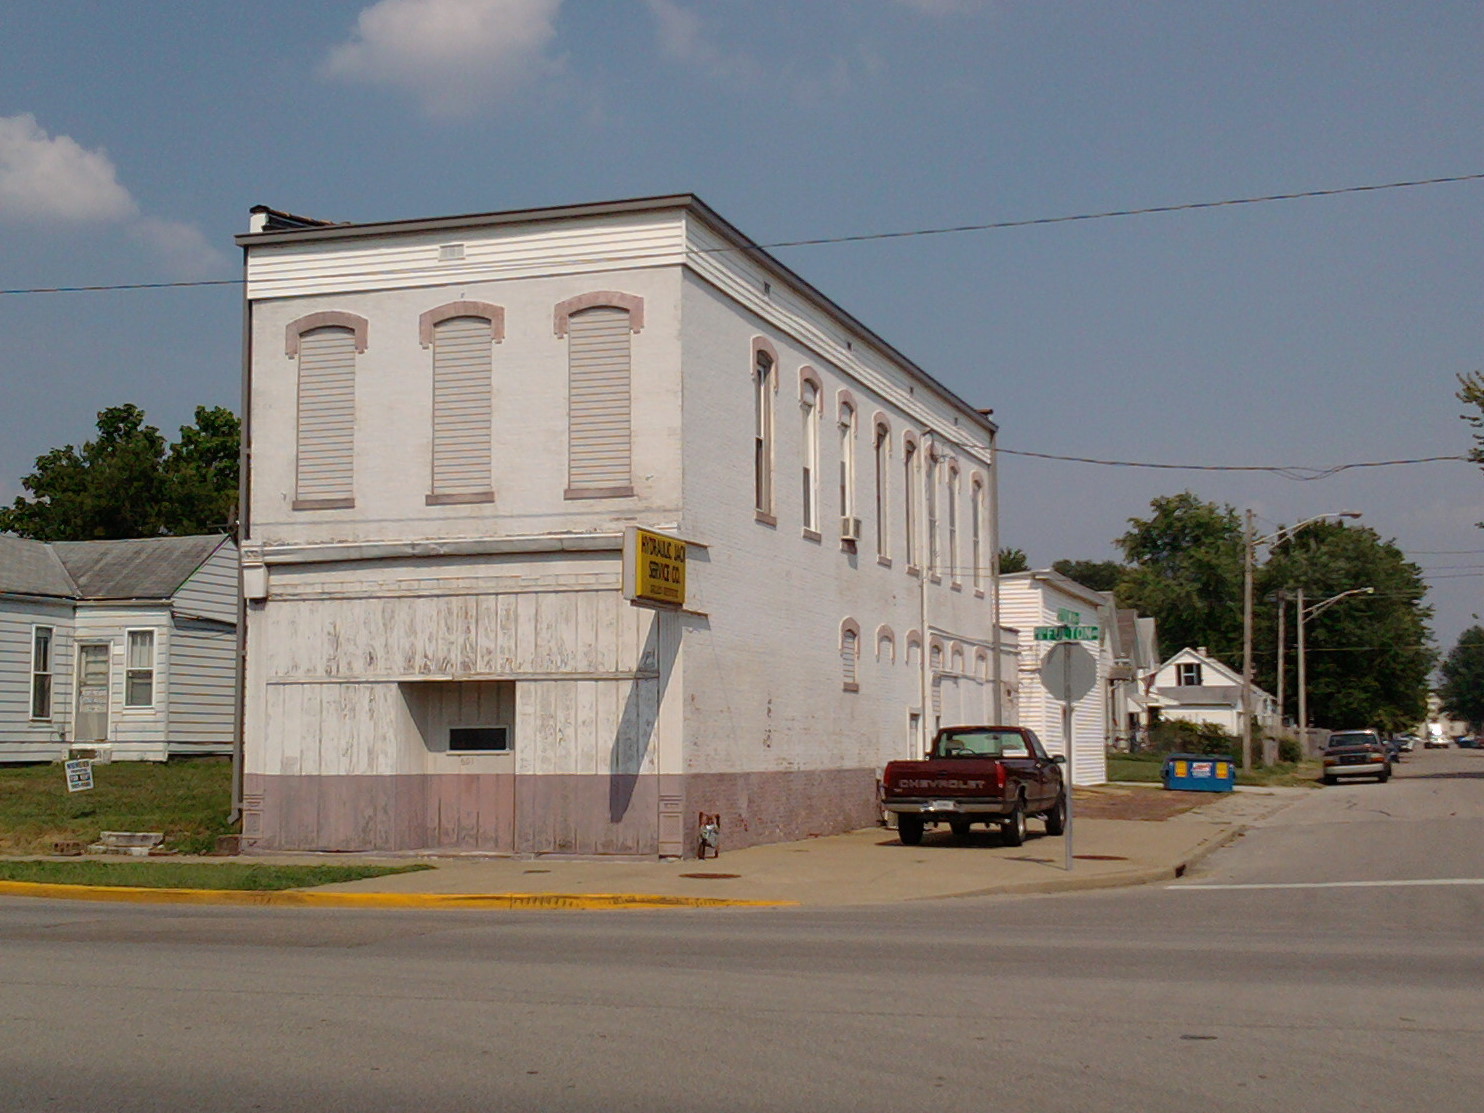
(1188, 674)
(955, 574)
(930, 482)
(139, 669)
(882, 453)
(462, 336)
(41, 672)
(886, 646)
(976, 527)
(909, 502)
(762, 433)
(848, 528)
(326, 345)
(809, 403)
(599, 328)
(488, 739)
(850, 637)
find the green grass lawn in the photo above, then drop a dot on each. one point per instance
(188, 875)
(186, 799)
(1145, 769)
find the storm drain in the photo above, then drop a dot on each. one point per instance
(711, 876)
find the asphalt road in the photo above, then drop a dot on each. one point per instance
(1256, 984)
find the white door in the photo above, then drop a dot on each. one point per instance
(92, 693)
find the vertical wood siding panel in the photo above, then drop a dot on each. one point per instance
(598, 402)
(462, 405)
(326, 418)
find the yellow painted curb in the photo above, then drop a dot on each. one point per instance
(304, 898)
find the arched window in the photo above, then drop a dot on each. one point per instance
(326, 345)
(976, 526)
(764, 382)
(849, 521)
(909, 500)
(599, 327)
(955, 573)
(850, 637)
(930, 485)
(881, 454)
(809, 409)
(462, 335)
(886, 645)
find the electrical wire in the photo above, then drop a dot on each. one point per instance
(865, 237)
(1287, 471)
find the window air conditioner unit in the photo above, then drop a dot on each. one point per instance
(850, 529)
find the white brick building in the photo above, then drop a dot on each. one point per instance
(450, 423)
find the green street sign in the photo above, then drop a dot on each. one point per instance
(1068, 633)
(1068, 617)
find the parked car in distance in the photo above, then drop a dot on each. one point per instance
(1467, 742)
(1356, 753)
(1435, 742)
(1406, 742)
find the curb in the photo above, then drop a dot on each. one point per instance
(301, 898)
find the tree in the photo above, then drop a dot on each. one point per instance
(1471, 393)
(129, 483)
(1100, 575)
(1186, 574)
(1368, 656)
(1013, 560)
(1462, 689)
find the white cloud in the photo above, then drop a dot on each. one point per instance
(55, 179)
(682, 39)
(183, 247)
(452, 55)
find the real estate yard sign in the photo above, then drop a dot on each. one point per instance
(79, 775)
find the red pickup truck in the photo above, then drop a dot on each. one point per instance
(977, 774)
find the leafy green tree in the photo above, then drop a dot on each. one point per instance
(1013, 560)
(1368, 656)
(1462, 689)
(127, 482)
(1185, 572)
(1100, 575)
(1471, 393)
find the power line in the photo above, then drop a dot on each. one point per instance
(956, 229)
(1287, 471)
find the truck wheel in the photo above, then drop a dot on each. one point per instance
(1056, 818)
(1327, 779)
(1012, 827)
(909, 829)
(959, 827)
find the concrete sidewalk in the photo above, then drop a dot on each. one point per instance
(868, 866)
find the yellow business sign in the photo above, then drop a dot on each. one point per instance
(653, 567)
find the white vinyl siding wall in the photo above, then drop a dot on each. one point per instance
(203, 684)
(327, 415)
(598, 425)
(462, 406)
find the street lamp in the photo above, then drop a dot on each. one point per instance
(1249, 549)
(1304, 614)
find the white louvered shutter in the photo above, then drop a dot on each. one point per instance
(327, 414)
(462, 405)
(598, 441)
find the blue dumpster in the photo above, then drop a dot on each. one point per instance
(1199, 772)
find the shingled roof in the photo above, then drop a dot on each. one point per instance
(138, 568)
(33, 568)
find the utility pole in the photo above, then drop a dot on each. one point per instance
(1248, 544)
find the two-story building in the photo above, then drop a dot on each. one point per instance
(451, 425)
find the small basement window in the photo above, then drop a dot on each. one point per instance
(478, 738)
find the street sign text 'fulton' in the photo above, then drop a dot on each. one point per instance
(1068, 633)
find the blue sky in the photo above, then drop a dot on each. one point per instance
(134, 136)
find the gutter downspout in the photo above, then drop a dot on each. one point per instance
(244, 473)
(994, 580)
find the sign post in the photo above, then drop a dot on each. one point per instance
(1068, 672)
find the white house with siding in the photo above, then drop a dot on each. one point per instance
(452, 422)
(1195, 686)
(126, 647)
(1046, 598)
